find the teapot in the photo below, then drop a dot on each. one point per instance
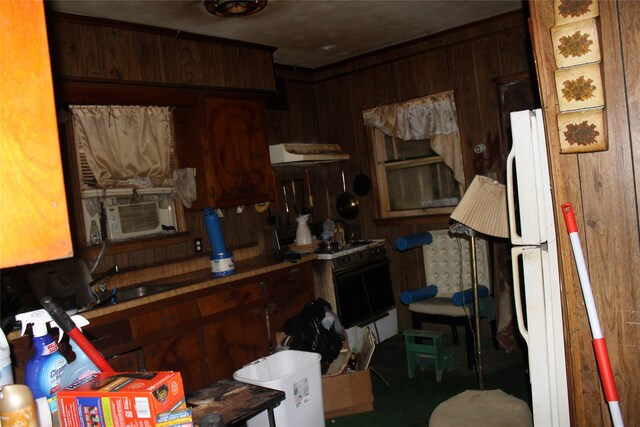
(303, 232)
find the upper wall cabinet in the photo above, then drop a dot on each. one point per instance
(34, 226)
(231, 154)
(99, 50)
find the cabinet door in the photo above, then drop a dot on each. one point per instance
(33, 205)
(289, 291)
(234, 339)
(283, 309)
(180, 352)
(239, 152)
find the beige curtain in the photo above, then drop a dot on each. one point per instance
(432, 117)
(125, 146)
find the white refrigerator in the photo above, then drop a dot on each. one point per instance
(535, 268)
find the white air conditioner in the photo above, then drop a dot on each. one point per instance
(129, 220)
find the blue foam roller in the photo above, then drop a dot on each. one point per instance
(414, 240)
(465, 297)
(407, 297)
(212, 222)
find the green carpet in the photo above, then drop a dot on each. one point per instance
(408, 402)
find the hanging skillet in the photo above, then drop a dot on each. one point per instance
(361, 183)
(346, 204)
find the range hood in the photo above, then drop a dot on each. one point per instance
(299, 153)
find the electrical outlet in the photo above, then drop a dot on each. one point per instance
(197, 243)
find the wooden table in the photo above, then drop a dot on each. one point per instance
(235, 401)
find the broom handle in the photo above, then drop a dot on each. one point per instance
(599, 344)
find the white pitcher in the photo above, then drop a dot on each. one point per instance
(303, 233)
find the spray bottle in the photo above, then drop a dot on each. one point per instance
(6, 375)
(47, 365)
(82, 366)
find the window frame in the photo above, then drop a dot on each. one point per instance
(380, 166)
(78, 191)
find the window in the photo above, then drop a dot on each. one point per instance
(126, 170)
(416, 149)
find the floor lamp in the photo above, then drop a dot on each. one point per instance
(483, 209)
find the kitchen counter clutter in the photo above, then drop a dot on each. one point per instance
(206, 329)
(189, 282)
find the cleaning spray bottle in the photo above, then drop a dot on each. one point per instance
(82, 366)
(6, 375)
(47, 365)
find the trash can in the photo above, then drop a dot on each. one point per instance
(297, 373)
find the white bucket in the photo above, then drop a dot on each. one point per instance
(298, 374)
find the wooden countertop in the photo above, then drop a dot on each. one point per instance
(195, 280)
(198, 280)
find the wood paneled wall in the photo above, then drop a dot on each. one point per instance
(603, 188)
(102, 50)
(469, 60)
(325, 106)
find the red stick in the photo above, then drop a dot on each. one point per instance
(90, 350)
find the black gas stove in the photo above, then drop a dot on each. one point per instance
(354, 254)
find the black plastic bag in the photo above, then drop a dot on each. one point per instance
(316, 329)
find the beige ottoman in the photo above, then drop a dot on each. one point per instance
(487, 408)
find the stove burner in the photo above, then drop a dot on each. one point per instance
(356, 254)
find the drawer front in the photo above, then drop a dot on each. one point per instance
(291, 280)
(132, 361)
(164, 318)
(230, 298)
(104, 337)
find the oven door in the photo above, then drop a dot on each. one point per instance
(363, 293)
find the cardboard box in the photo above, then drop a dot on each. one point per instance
(346, 393)
(120, 399)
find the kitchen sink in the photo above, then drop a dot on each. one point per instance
(128, 294)
(116, 296)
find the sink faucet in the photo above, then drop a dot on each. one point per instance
(110, 272)
(100, 289)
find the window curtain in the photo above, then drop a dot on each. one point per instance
(125, 146)
(431, 117)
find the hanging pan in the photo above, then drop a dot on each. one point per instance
(361, 183)
(346, 204)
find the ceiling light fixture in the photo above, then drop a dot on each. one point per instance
(230, 8)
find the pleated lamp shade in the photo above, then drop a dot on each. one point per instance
(483, 207)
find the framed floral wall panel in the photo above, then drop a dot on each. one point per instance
(576, 43)
(582, 131)
(579, 87)
(574, 10)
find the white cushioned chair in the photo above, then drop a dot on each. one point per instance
(447, 264)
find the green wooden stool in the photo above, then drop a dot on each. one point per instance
(422, 344)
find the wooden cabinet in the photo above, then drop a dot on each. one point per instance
(289, 291)
(180, 351)
(232, 156)
(132, 361)
(33, 206)
(234, 339)
(206, 335)
(241, 327)
(170, 341)
(235, 329)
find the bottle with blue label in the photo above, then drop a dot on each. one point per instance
(82, 366)
(44, 370)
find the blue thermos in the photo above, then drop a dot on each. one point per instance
(221, 258)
